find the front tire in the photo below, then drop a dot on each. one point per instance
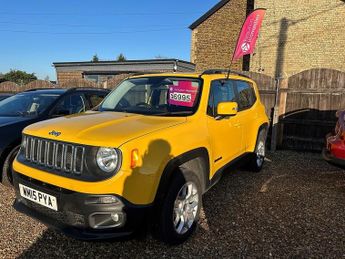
(7, 177)
(180, 210)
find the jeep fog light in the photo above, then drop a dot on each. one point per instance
(107, 159)
(115, 217)
(102, 220)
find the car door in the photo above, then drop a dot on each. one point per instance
(225, 132)
(246, 115)
(70, 104)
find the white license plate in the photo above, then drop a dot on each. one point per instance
(38, 197)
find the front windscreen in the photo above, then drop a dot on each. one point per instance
(155, 96)
(26, 104)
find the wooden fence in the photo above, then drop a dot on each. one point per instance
(10, 87)
(306, 104)
(310, 100)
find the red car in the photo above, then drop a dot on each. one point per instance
(334, 152)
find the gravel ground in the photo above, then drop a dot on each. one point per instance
(293, 208)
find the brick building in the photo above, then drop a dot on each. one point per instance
(99, 72)
(214, 35)
(296, 35)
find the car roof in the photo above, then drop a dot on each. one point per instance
(47, 91)
(213, 75)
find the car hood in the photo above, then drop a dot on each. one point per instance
(7, 120)
(101, 128)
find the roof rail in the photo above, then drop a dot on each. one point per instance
(45, 88)
(70, 89)
(86, 88)
(221, 71)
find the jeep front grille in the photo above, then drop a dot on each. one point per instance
(54, 155)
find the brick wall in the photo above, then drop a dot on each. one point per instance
(297, 35)
(214, 40)
(68, 79)
(63, 77)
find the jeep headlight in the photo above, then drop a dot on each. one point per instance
(107, 159)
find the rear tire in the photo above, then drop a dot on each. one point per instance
(257, 158)
(180, 209)
(7, 177)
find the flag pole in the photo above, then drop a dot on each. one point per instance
(232, 59)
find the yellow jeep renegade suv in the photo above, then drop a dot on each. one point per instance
(155, 145)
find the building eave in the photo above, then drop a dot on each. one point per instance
(127, 62)
(125, 66)
(208, 14)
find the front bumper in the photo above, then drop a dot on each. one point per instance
(329, 157)
(334, 151)
(73, 215)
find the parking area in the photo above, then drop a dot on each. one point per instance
(295, 207)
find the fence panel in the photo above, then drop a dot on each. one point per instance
(38, 84)
(313, 97)
(9, 87)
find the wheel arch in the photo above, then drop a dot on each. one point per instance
(263, 126)
(196, 161)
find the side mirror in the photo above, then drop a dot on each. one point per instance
(227, 109)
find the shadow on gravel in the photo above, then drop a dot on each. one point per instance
(293, 208)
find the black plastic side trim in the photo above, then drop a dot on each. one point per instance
(218, 159)
(218, 175)
(175, 163)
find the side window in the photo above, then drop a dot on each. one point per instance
(246, 95)
(221, 91)
(95, 98)
(74, 103)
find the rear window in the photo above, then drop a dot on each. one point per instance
(246, 95)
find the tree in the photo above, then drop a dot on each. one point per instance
(160, 57)
(95, 58)
(2, 77)
(19, 77)
(121, 58)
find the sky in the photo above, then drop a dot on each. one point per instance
(34, 34)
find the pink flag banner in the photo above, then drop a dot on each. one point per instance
(249, 33)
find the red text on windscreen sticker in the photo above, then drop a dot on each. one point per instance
(182, 94)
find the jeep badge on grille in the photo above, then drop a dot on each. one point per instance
(55, 133)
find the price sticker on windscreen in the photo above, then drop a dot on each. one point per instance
(183, 93)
